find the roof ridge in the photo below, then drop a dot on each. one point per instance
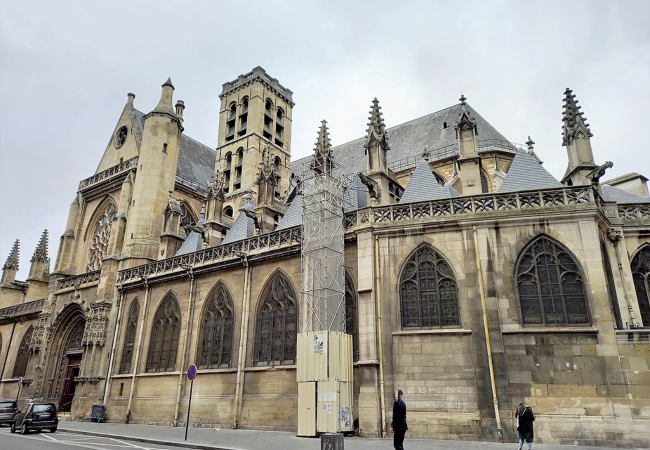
(200, 143)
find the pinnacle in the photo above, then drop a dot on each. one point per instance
(13, 258)
(168, 83)
(40, 254)
(323, 144)
(572, 117)
(376, 119)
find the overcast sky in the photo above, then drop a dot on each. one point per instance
(66, 67)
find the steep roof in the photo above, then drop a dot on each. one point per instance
(243, 228)
(526, 173)
(411, 139)
(193, 242)
(293, 216)
(423, 185)
(356, 194)
(614, 194)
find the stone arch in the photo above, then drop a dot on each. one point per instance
(352, 313)
(98, 233)
(98, 211)
(640, 265)
(23, 354)
(457, 269)
(131, 322)
(216, 328)
(165, 334)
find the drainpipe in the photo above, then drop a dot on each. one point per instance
(4, 363)
(495, 400)
(243, 339)
(137, 349)
(116, 329)
(615, 236)
(186, 342)
(382, 403)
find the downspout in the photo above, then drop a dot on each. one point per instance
(382, 404)
(137, 350)
(615, 236)
(109, 369)
(186, 342)
(243, 339)
(4, 363)
(495, 400)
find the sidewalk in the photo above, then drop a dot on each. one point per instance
(219, 439)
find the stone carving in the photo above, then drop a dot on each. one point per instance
(99, 241)
(13, 258)
(39, 331)
(40, 254)
(109, 173)
(96, 325)
(120, 136)
(614, 235)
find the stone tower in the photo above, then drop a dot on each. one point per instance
(255, 117)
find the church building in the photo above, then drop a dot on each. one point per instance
(470, 278)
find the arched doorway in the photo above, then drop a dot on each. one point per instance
(72, 354)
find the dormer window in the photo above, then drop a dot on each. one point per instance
(227, 211)
(444, 125)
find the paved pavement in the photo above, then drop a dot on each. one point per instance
(226, 439)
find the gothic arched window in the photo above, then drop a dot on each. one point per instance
(276, 324)
(129, 340)
(101, 236)
(217, 330)
(550, 287)
(165, 330)
(641, 277)
(351, 323)
(428, 292)
(22, 358)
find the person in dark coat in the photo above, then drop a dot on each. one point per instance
(525, 418)
(398, 426)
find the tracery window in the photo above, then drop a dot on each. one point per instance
(276, 324)
(101, 236)
(129, 340)
(550, 287)
(351, 323)
(217, 330)
(428, 292)
(641, 277)
(22, 358)
(165, 330)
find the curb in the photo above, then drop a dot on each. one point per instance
(147, 440)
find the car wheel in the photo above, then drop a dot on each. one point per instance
(12, 427)
(53, 430)
(23, 429)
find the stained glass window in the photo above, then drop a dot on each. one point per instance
(428, 292)
(129, 340)
(22, 358)
(217, 330)
(165, 330)
(641, 277)
(277, 324)
(550, 286)
(101, 236)
(351, 323)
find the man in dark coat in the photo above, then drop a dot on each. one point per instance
(398, 426)
(525, 418)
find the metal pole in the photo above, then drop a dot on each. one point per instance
(189, 404)
(116, 329)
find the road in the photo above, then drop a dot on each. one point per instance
(68, 441)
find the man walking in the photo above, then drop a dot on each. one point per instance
(398, 426)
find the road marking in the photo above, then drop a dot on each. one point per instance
(126, 443)
(50, 437)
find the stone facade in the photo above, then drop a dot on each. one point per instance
(587, 380)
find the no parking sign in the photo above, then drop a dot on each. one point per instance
(191, 374)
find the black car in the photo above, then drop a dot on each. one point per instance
(35, 416)
(8, 410)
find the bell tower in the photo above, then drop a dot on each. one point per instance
(254, 120)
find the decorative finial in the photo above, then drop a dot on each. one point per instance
(13, 258)
(40, 254)
(462, 99)
(530, 143)
(574, 124)
(376, 127)
(323, 147)
(168, 83)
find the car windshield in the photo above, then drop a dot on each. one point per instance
(7, 404)
(44, 408)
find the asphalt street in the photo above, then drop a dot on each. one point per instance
(68, 441)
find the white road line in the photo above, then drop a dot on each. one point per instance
(50, 437)
(126, 443)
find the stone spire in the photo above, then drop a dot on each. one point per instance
(165, 103)
(39, 270)
(13, 259)
(469, 162)
(376, 127)
(40, 254)
(576, 138)
(323, 157)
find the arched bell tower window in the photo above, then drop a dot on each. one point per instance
(101, 236)
(231, 119)
(22, 358)
(238, 168)
(267, 132)
(641, 277)
(243, 117)
(550, 287)
(226, 172)
(163, 345)
(129, 340)
(276, 172)
(279, 128)
(217, 326)
(351, 322)
(428, 292)
(277, 324)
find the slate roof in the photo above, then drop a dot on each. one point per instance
(243, 228)
(410, 140)
(293, 216)
(614, 194)
(193, 242)
(526, 173)
(195, 160)
(356, 195)
(423, 185)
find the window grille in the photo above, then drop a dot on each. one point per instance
(641, 277)
(428, 292)
(550, 287)
(351, 323)
(129, 340)
(217, 330)
(163, 345)
(276, 324)
(22, 358)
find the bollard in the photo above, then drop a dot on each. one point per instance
(331, 441)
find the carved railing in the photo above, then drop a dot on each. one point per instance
(211, 255)
(639, 212)
(111, 172)
(22, 309)
(78, 280)
(193, 185)
(458, 206)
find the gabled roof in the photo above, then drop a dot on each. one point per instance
(423, 185)
(526, 173)
(193, 242)
(410, 140)
(614, 194)
(293, 216)
(243, 228)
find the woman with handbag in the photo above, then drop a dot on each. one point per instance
(524, 419)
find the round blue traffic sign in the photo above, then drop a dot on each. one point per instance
(191, 372)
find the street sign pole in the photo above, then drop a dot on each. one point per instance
(191, 374)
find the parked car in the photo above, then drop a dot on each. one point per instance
(8, 410)
(35, 416)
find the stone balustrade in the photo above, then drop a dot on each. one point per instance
(109, 173)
